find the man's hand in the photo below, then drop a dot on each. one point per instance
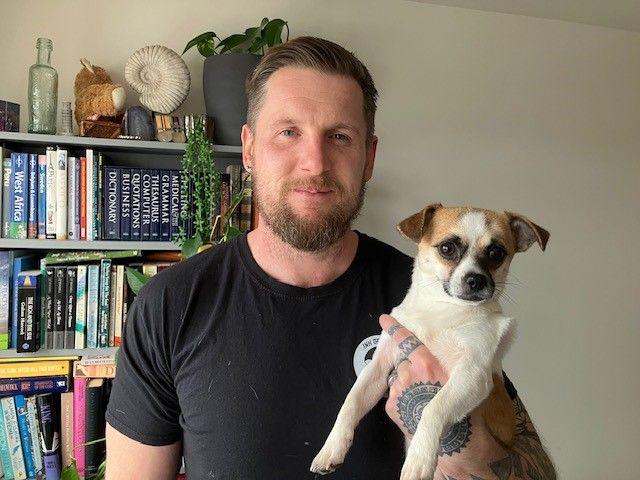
(467, 449)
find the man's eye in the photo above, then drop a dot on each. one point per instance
(341, 136)
(288, 133)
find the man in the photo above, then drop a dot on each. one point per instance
(240, 357)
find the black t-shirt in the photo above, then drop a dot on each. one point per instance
(250, 372)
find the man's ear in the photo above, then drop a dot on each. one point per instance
(526, 232)
(414, 227)
(246, 135)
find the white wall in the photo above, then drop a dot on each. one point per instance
(500, 111)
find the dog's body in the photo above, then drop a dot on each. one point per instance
(452, 308)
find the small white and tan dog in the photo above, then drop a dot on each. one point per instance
(451, 307)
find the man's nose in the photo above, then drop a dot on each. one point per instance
(315, 156)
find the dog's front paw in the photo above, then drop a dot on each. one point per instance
(332, 453)
(418, 467)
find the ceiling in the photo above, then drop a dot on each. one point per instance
(622, 14)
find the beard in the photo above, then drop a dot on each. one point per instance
(309, 234)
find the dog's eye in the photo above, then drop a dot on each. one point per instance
(496, 253)
(447, 249)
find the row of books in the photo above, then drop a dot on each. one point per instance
(57, 303)
(57, 196)
(50, 409)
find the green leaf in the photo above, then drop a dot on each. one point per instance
(232, 42)
(207, 47)
(264, 21)
(199, 39)
(70, 472)
(190, 246)
(136, 279)
(272, 32)
(230, 232)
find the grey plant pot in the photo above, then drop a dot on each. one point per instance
(224, 93)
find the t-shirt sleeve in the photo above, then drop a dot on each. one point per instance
(511, 390)
(143, 404)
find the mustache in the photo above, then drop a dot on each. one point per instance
(320, 182)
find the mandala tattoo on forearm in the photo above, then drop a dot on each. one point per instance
(412, 401)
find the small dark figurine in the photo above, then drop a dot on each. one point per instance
(137, 122)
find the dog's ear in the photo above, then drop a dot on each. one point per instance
(526, 232)
(414, 227)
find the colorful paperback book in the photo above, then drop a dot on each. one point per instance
(34, 385)
(83, 198)
(6, 196)
(42, 196)
(19, 195)
(6, 260)
(34, 428)
(61, 194)
(34, 368)
(73, 198)
(81, 306)
(93, 284)
(13, 437)
(50, 435)
(25, 435)
(104, 303)
(79, 426)
(50, 193)
(54, 258)
(32, 218)
(91, 223)
(5, 457)
(136, 205)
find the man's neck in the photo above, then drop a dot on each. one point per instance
(295, 267)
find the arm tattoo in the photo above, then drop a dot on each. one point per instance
(409, 344)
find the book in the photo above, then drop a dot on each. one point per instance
(165, 205)
(50, 193)
(79, 417)
(103, 304)
(34, 428)
(28, 311)
(66, 428)
(98, 202)
(73, 176)
(19, 195)
(21, 263)
(119, 305)
(96, 359)
(32, 204)
(83, 198)
(59, 306)
(61, 194)
(94, 425)
(13, 437)
(136, 206)
(34, 368)
(70, 299)
(154, 233)
(125, 204)
(34, 385)
(50, 435)
(145, 202)
(42, 196)
(90, 194)
(225, 201)
(49, 311)
(93, 283)
(81, 306)
(6, 196)
(94, 371)
(174, 205)
(113, 293)
(6, 263)
(5, 457)
(54, 258)
(25, 435)
(111, 214)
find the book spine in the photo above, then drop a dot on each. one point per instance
(50, 436)
(125, 204)
(94, 422)
(155, 206)
(60, 306)
(32, 220)
(79, 414)
(34, 428)
(34, 385)
(31, 369)
(91, 228)
(72, 188)
(6, 196)
(5, 295)
(112, 305)
(49, 302)
(94, 371)
(93, 280)
(5, 456)
(27, 314)
(13, 437)
(165, 205)
(42, 196)
(19, 199)
(174, 205)
(66, 427)
(20, 264)
(105, 283)
(145, 201)
(70, 299)
(136, 207)
(81, 306)
(61, 195)
(83, 198)
(50, 193)
(111, 201)
(119, 292)
(25, 435)
(99, 173)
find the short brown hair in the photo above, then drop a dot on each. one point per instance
(319, 54)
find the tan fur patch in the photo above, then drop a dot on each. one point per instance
(499, 414)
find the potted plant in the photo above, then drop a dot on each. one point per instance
(227, 64)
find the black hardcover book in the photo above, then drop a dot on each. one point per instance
(145, 229)
(99, 207)
(95, 402)
(136, 206)
(174, 204)
(28, 314)
(48, 406)
(155, 205)
(125, 204)
(59, 306)
(165, 205)
(70, 324)
(49, 294)
(111, 214)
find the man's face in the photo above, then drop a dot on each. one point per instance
(309, 156)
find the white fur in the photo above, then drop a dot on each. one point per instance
(468, 338)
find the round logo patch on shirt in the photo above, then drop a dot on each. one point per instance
(364, 353)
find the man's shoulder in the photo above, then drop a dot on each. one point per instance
(382, 251)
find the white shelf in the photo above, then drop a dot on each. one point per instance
(63, 352)
(42, 244)
(109, 143)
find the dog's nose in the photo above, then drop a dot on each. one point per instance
(475, 281)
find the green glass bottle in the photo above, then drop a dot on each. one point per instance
(43, 91)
